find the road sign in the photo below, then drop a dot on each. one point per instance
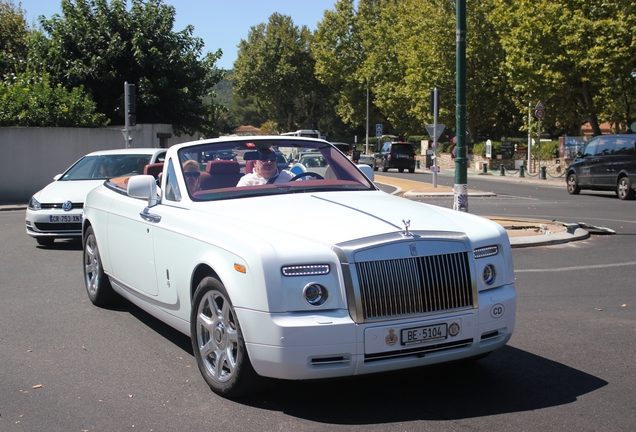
(539, 113)
(540, 106)
(378, 130)
(431, 130)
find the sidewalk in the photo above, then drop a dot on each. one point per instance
(522, 232)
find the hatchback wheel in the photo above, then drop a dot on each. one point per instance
(573, 185)
(624, 189)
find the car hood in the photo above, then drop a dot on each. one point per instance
(334, 217)
(60, 191)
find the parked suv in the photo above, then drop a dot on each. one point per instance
(400, 155)
(608, 162)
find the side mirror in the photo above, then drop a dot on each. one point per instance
(144, 187)
(367, 171)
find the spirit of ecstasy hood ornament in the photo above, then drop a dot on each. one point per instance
(406, 232)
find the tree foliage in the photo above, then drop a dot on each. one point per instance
(100, 45)
(14, 35)
(30, 100)
(577, 56)
(274, 65)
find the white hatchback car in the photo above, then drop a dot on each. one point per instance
(56, 211)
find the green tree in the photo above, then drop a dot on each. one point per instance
(275, 67)
(100, 45)
(14, 35)
(576, 56)
(30, 100)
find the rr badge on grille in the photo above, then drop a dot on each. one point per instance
(413, 248)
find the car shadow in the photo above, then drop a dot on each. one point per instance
(509, 380)
(69, 244)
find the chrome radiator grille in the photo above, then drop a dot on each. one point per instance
(402, 287)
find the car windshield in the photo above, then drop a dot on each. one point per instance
(106, 166)
(314, 165)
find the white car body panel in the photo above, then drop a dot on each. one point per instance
(155, 264)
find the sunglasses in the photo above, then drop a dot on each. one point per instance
(194, 174)
(268, 158)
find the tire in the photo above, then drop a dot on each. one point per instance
(375, 168)
(98, 287)
(573, 184)
(624, 189)
(218, 344)
(411, 170)
(385, 169)
(401, 169)
(45, 241)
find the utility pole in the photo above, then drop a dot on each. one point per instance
(129, 111)
(461, 162)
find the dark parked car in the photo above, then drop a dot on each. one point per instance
(400, 155)
(608, 162)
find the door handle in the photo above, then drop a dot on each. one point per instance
(150, 217)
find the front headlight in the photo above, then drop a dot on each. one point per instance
(315, 294)
(34, 204)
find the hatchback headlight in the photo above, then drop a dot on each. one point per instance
(34, 204)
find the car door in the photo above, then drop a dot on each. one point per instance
(584, 163)
(130, 243)
(625, 156)
(601, 168)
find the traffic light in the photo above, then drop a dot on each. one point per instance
(434, 96)
(131, 107)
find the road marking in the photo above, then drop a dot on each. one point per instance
(564, 269)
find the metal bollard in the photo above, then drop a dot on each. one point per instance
(542, 175)
(502, 170)
(417, 163)
(484, 168)
(522, 171)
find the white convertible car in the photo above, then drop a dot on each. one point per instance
(305, 277)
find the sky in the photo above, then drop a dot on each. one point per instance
(220, 23)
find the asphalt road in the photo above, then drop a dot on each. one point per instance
(66, 365)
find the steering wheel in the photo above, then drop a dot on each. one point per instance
(307, 174)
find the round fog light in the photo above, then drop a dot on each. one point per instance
(315, 294)
(489, 274)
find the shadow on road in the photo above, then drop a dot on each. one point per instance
(509, 380)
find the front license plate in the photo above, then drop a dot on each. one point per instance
(429, 333)
(65, 219)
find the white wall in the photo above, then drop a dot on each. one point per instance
(31, 156)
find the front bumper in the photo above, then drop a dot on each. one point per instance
(303, 346)
(40, 223)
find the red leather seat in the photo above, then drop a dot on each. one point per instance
(222, 174)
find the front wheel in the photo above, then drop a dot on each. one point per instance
(624, 189)
(573, 185)
(98, 287)
(218, 344)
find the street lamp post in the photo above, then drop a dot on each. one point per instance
(460, 191)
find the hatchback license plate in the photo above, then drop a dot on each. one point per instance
(65, 219)
(424, 334)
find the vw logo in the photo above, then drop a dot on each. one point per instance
(67, 206)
